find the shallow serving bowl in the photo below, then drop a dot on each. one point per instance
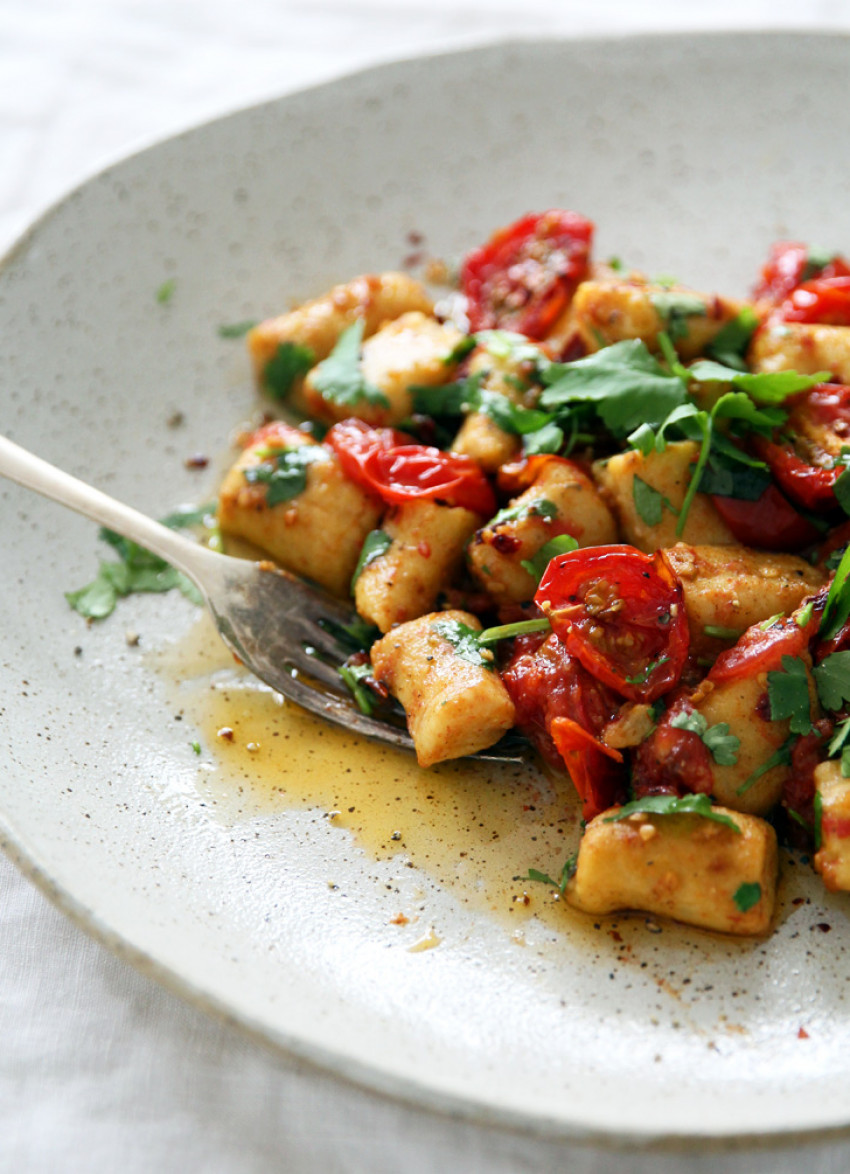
(691, 154)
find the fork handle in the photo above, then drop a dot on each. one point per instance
(32, 472)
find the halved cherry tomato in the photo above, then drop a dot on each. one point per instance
(826, 300)
(760, 649)
(672, 760)
(523, 278)
(770, 523)
(621, 613)
(827, 405)
(788, 265)
(563, 710)
(353, 440)
(402, 472)
(596, 769)
(811, 485)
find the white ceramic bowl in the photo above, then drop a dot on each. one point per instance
(692, 154)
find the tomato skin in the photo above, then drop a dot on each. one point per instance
(353, 440)
(787, 266)
(385, 463)
(593, 766)
(760, 650)
(813, 486)
(672, 761)
(523, 278)
(563, 710)
(770, 523)
(826, 301)
(621, 613)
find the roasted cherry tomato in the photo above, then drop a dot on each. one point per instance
(770, 523)
(403, 472)
(621, 613)
(672, 760)
(523, 278)
(826, 300)
(761, 649)
(813, 486)
(563, 710)
(789, 265)
(594, 767)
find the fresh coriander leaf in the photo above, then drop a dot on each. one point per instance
(511, 417)
(567, 873)
(788, 693)
(780, 757)
(284, 471)
(540, 508)
(733, 478)
(838, 742)
(446, 399)
(836, 611)
(354, 675)
(649, 502)
(625, 383)
(356, 636)
(97, 599)
(186, 516)
(339, 378)
(465, 641)
(673, 805)
(730, 343)
(287, 365)
(841, 489)
(165, 292)
(459, 352)
(614, 263)
(832, 677)
(675, 308)
(845, 763)
(772, 387)
(561, 544)
(747, 895)
(375, 544)
(196, 746)
(549, 438)
(543, 878)
(508, 631)
(723, 746)
(236, 329)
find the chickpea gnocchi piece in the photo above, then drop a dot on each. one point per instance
(454, 705)
(692, 869)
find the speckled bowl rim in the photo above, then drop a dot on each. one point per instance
(408, 1092)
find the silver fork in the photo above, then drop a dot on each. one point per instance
(278, 626)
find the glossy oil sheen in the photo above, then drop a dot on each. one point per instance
(412, 964)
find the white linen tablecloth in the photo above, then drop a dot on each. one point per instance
(100, 1068)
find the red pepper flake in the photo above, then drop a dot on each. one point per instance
(802, 1033)
(424, 549)
(196, 461)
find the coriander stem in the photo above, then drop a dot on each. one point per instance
(505, 631)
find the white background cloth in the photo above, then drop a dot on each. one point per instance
(101, 1069)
